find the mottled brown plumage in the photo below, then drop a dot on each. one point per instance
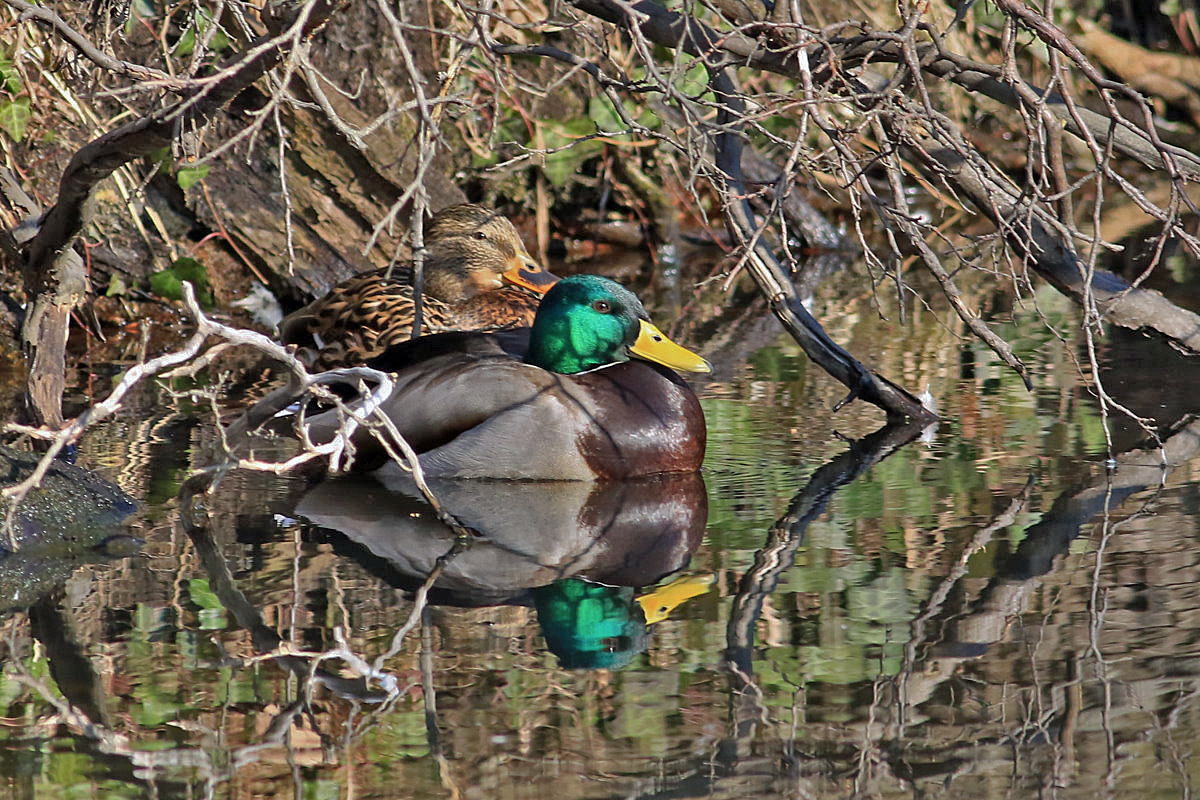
(478, 276)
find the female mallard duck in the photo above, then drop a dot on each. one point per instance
(562, 401)
(478, 276)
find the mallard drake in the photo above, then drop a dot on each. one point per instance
(576, 397)
(478, 276)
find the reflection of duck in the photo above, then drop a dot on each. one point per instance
(591, 626)
(658, 604)
(478, 276)
(627, 533)
(575, 408)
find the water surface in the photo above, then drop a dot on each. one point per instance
(994, 609)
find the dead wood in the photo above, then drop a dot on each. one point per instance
(1045, 246)
(1172, 77)
(337, 191)
(777, 286)
(1032, 232)
(673, 29)
(53, 272)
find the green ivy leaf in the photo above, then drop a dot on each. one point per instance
(187, 177)
(200, 25)
(14, 117)
(10, 78)
(218, 42)
(186, 43)
(604, 114)
(694, 80)
(168, 283)
(563, 163)
(116, 286)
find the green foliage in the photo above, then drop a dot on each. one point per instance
(693, 82)
(168, 283)
(14, 117)
(187, 177)
(1181, 268)
(201, 22)
(403, 736)
(139, 10)
(164, 485)
(10, 78)
(318, 789)
(639, 710)
(162, 157)
(569, 148)
(603, 113)
(571, 142)
(14, 111)
(212, 611)
(116, 286)
(237, 686)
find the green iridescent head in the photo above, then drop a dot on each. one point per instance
(586, 321)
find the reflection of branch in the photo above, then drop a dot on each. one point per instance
(937, 598)
(269, 645)
(421, 599)
(1006, 595)
(787, 534)
(130, 759)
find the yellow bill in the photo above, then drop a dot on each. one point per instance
(653, 345)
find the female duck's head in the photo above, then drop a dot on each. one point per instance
(586, 321)
(471, 250)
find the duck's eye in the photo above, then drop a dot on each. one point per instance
(480, 235)
(603, 306)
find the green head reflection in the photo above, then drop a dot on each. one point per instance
(589, 626)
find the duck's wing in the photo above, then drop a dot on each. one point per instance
(511, 344)
(439, 399)
(299, 326)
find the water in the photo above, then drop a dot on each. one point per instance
(986, 611)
